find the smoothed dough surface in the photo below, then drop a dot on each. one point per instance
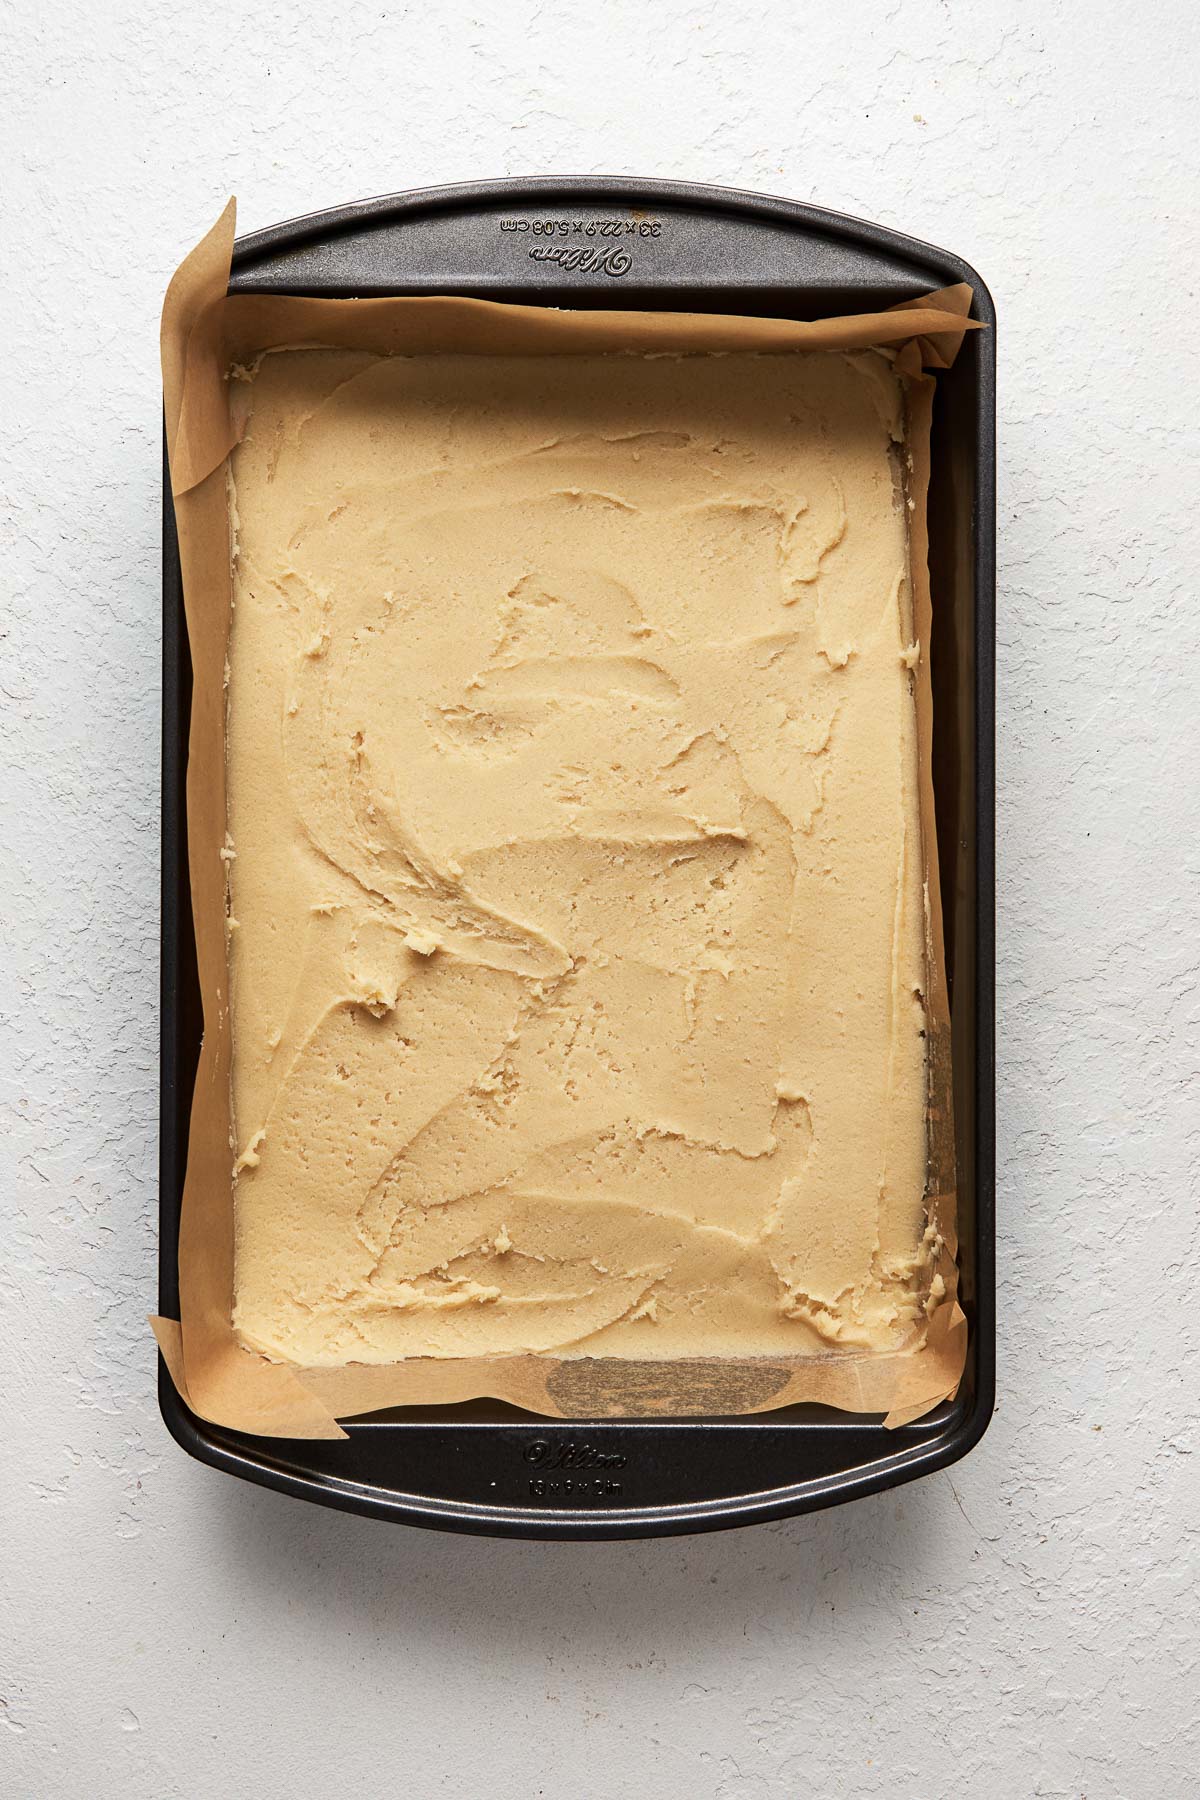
(576, 919)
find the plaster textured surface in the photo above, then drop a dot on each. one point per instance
(1027, 1623)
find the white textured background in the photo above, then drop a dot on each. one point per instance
(1026, 1625)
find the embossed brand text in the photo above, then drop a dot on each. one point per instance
(612, 261)
(546, 1456)
(578, 256)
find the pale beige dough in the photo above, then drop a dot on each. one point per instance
(577, 935)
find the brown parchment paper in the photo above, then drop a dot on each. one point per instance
(204, 331)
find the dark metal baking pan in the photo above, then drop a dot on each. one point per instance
(590, 242)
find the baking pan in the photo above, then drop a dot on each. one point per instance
(616, 242)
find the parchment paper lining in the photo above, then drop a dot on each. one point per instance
(204, 331)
